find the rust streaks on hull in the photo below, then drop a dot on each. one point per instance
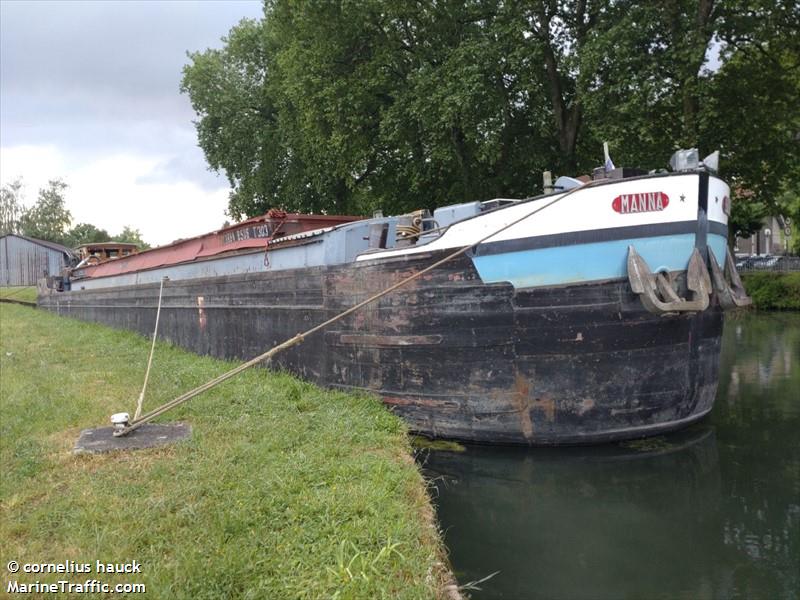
(523, 402)
(454, 357)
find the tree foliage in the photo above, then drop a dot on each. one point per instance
(752, 112)
(86, 233)
(48, 218)
(129, 235)
(365, 104)
(11, 207)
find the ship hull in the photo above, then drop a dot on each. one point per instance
(454, 356)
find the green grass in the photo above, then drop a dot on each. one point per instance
(26, 294)
(773, 290)
(283, 491)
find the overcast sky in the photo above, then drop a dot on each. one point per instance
(89, 93)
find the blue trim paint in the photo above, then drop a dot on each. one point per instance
(718, 245)
(590, 262)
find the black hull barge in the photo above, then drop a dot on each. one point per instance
(496, 346)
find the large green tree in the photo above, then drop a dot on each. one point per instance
(752, 108)
(48, 218)
(365, 104)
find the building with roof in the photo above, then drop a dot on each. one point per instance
(24, 260)
(772, 238)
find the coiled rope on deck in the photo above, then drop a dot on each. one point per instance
(297, 339)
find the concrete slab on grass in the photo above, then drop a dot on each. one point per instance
(149, 435)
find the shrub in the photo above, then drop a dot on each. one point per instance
(773, 291)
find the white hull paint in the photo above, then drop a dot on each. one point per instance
(536, 256)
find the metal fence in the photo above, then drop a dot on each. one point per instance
(768, 263)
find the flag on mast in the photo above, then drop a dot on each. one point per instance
(609, 165)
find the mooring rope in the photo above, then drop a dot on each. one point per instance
(140, 402)
(138, 422)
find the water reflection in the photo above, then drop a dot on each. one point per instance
(710, 512)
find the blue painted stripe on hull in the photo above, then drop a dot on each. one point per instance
(718, 246)
(590, 262)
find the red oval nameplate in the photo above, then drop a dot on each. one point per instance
(640, 202)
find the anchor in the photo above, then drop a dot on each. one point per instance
(655, 289)
(731, 295)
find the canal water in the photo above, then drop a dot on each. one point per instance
(709, 512)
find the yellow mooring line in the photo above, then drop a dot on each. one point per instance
(140, 402)
(141, 420)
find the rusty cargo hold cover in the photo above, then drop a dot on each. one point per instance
(250, 234)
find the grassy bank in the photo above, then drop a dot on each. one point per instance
(773, 290)
(283, 491)
(24, 294)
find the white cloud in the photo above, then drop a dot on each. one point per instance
(34, 164)
(114, 191)
(90, 93)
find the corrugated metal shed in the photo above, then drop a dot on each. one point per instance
(24, 260)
